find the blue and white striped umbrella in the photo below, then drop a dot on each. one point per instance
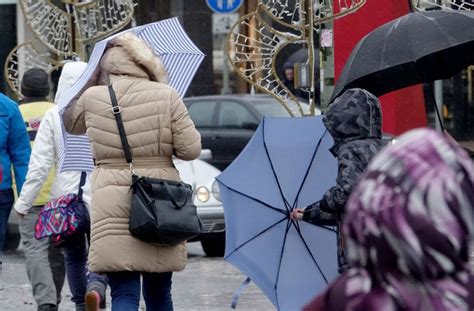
(169, 41)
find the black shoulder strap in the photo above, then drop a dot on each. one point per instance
(116, 110)
(81, 184)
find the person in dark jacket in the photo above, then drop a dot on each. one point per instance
(289, 81)
(354, 120)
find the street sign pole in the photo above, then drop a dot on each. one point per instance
(225, 67)
(222, 21)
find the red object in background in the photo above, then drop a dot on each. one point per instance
(403, 109)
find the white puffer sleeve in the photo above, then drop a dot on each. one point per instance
(42, 160)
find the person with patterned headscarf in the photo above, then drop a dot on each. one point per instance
(408, 227)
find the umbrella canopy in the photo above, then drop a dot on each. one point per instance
(168, 40)
(415, 48)
(286, 165)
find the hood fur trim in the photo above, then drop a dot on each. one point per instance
(143, 55)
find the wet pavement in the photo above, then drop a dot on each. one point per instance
(205, 284)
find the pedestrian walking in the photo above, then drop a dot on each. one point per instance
(289, 81)
(354, 120)
(46, 156)
(158, 127)
(408, 227)
(44, 263)
(14, 154)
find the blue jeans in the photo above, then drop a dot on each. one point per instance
(6, 204)
(125, 291)
(79, 278)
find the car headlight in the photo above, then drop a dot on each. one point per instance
(216, 192)
(203, 194)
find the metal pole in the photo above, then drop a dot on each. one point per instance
(225, 67)
(438, 91)
(310, 29)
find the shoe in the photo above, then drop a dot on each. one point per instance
(93, 301)
(103, 304)
(47, 307)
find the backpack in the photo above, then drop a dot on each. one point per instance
(64, 219)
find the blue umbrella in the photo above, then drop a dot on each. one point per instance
(169, 41)
(286, 165)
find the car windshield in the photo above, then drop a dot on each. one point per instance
(270, 108)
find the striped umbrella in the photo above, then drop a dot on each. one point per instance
(169, 41)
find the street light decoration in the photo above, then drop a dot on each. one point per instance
(98, 19)
(444, 4)
(51, 25)
(63, 33)
(258, 37)
(26, 56)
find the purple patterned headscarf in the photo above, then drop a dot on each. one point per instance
(408, 228)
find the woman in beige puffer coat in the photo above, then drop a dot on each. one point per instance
(158, 127)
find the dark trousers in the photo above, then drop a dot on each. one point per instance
(79, 278)
(6, 204)
(125, 291)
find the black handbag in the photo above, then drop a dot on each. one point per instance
(162, 211)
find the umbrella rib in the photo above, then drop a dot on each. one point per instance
(273, 169)
(256, 236)
(257, 200)
(288, 226)
(311, 254)
(309, 167)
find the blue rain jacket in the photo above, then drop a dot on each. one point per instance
(14, 144)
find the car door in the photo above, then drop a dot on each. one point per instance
(203, 113)
(236, 124)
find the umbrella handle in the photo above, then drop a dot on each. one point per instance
(438, 114)
(239, 292)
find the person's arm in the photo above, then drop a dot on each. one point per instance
(42, 159)
(334, 200)
(74, 117)
(186, 139)
(18, 147)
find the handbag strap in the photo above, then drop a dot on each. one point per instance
(117, 111)
(173, 200)
(81, 184)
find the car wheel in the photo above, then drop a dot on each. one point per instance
(214, 245)
(12, 241)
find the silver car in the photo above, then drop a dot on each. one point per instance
(201, 176)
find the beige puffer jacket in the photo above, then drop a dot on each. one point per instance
(157, 126)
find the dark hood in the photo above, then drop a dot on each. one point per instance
(354, 115)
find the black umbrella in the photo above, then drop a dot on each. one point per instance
(415, 48)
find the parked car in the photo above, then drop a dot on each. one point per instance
(201, 176)
(227, 122)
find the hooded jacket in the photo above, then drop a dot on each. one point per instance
(354, 120)
(33, 111)
(157, 125)
(14, 145)
(46, 150)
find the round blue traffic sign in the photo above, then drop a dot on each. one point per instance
(224, 6)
